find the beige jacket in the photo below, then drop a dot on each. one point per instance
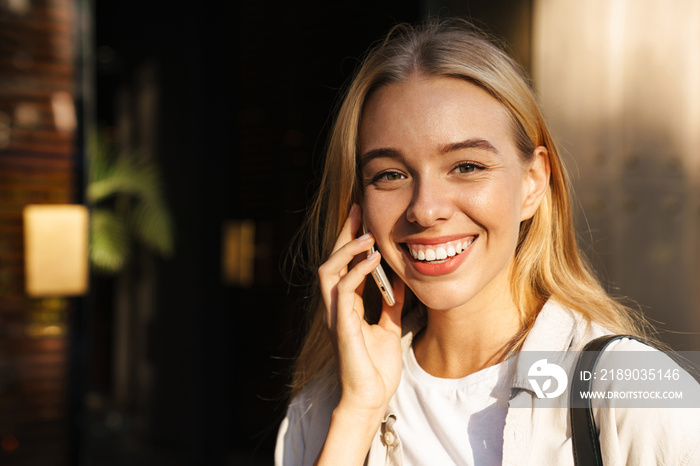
(533, 435)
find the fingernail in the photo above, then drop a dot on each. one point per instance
(373, 255)
(367, 235)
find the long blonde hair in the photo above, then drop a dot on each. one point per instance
(548, 263)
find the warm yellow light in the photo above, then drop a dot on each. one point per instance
(239, 252)
(63, 111)
(39, 330)
(56, 250)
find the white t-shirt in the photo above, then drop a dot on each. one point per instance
(451, 421)
(533, 434)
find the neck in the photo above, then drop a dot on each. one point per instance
(464, 340)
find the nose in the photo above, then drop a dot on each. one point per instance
(431, 203)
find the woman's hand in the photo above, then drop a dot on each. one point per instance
(369, 356)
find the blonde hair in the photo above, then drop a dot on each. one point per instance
(548, 262)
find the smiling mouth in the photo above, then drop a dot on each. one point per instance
(439, 253)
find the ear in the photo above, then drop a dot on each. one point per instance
(535, 182)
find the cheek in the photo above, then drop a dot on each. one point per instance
(493, 205)
(376, 213)
(382, 209)
(383, 213)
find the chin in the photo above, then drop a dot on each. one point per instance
(441, 298)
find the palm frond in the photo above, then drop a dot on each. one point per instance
(153, 226)
(109, 241)
(100, 154)
(129, 174)
(133, 179)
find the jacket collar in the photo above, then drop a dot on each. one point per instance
(556, 329)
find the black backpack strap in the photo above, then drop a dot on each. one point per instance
(584, 436)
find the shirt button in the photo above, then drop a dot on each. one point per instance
(389, 438)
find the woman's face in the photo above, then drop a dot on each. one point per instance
(445, 189)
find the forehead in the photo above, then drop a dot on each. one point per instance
(432, 112)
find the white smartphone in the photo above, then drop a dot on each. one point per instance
(380, 278)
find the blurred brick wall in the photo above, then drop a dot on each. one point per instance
(37, 164)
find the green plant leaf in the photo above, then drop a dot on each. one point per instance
(128, 175)
(100, 154)
(109, 241)
(153, 226)
(132, 179)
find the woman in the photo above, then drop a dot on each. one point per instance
(465, 196)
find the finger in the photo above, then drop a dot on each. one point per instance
(391, 315)
(353, 263)
(359, 291)
(339, 293)
(348, 300)
(350, 227)
(345, 250)
(337, 263)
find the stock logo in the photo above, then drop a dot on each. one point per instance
(541, 370)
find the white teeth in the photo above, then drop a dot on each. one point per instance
(440, 254)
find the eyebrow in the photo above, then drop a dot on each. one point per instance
(471, 143)
(379, 153)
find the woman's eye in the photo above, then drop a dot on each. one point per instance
(468, 167)
(389, 176)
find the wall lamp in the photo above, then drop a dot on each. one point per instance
(56, 250)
